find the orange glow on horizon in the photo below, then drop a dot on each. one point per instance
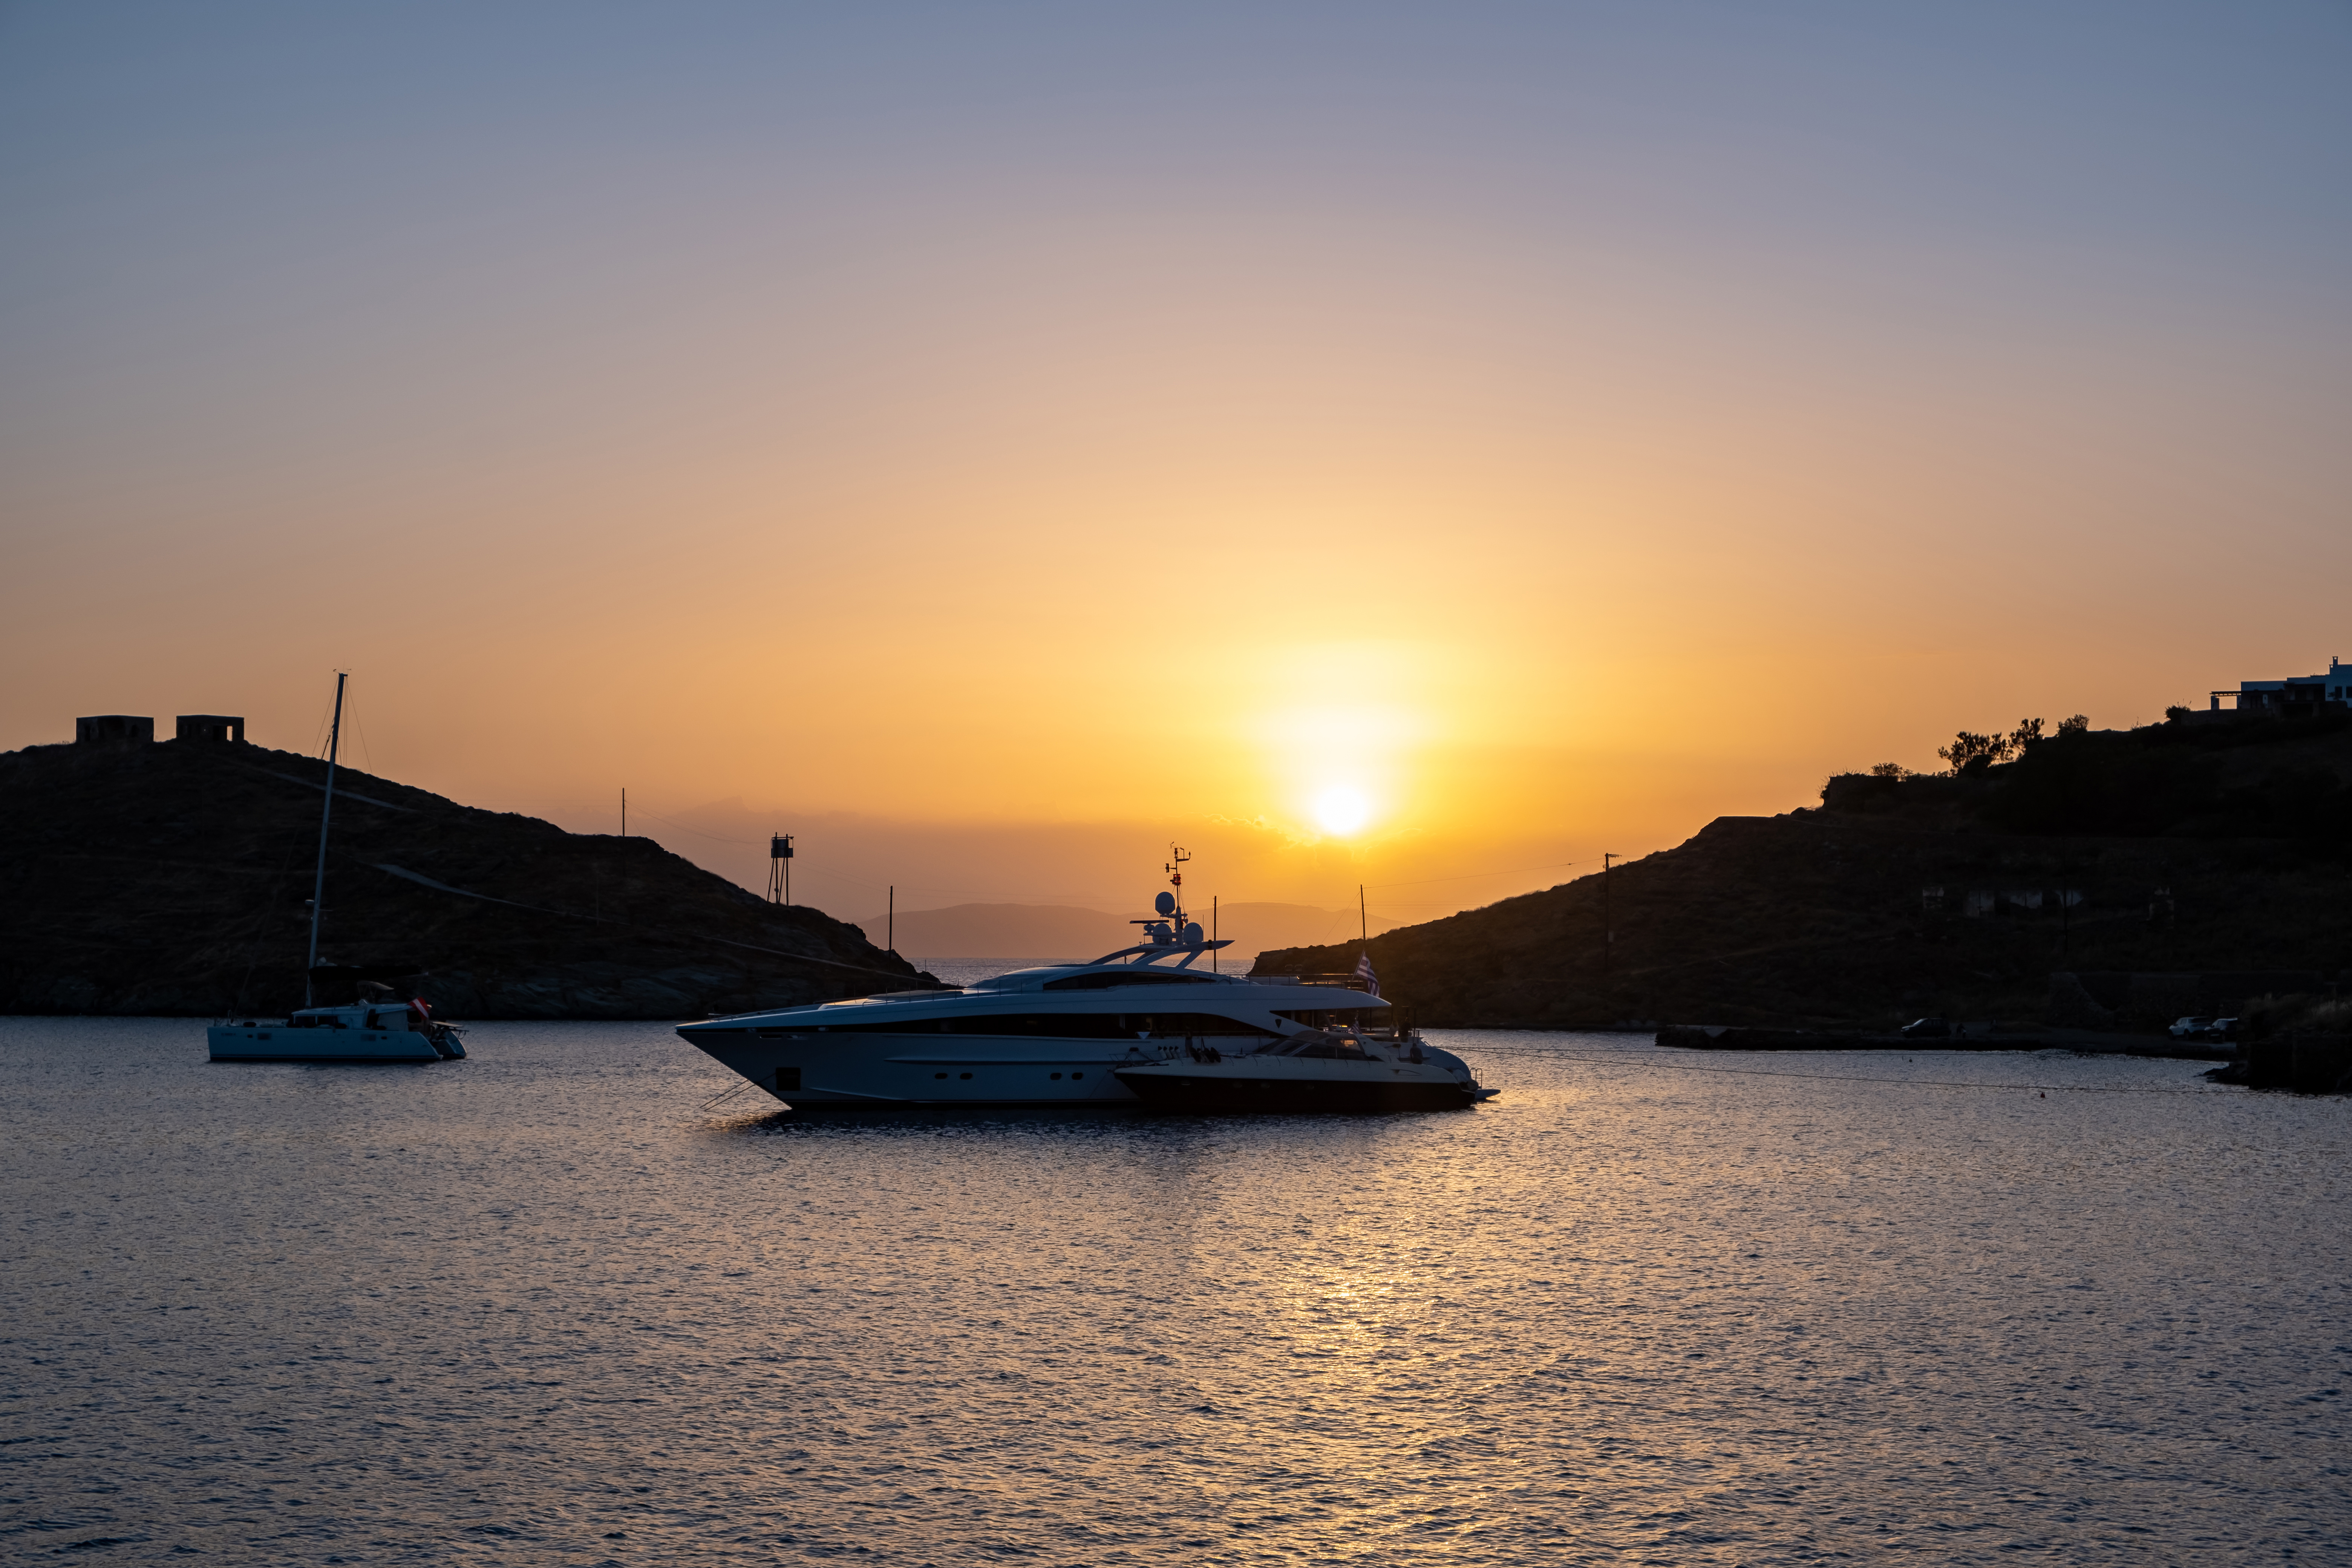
(1368, 472)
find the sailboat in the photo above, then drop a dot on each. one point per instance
(381, 1026)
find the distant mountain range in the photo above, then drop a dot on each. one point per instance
(1065, 932)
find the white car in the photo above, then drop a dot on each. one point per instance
(2191, 1028)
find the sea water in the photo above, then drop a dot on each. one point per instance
(549, 1305)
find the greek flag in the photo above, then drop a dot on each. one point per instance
(1364, 972)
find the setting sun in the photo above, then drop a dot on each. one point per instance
(1341, 810)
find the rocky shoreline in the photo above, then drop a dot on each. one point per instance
(1700, 1037)
(2300, 1062)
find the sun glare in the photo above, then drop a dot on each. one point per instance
(1341, 810)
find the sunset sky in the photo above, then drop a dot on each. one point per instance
(1424, 446)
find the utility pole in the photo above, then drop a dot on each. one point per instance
(1608, 929)
(1212, 932)
(891, 923)
(1364, 923)
(624, 811)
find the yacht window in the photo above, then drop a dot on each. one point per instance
(1077, 1075)
(1212, 1023)
(963, 1075)
(1056, 1077)
(1105, 980)
(1046, 1026)
(1330, 1017)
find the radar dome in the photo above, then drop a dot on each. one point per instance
(1192, 930)
(1165, 904)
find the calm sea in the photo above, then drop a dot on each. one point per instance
(542, 1307)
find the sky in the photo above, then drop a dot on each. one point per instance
(1417, 446)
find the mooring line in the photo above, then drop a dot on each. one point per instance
(712, 1104)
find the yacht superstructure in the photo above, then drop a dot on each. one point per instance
(1049, 1035)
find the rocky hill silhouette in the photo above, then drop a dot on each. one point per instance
(2180, 848)
(174, 877)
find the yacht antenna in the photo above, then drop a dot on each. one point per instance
(1175, 870)
(319, 883)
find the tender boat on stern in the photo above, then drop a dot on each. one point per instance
(1338, 1069)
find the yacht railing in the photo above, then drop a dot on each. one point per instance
(1344, 982)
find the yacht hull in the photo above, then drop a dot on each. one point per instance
(276, 1043)
(923, 1071)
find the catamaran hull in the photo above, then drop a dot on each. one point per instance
(261, 1043)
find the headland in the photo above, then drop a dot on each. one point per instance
(174, 877)
(2107, 882)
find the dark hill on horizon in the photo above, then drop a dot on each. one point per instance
(2198, 846)
(174, 877)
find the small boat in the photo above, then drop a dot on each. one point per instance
(1331, 1069)
(378, 1027)
(384, 1031)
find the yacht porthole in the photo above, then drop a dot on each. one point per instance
(1056, 1077)
(963, 1075)
(938, 1075)
(1077, 1075)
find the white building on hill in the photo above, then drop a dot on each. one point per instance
(2293, 698)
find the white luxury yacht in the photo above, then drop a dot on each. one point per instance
(1054, 1036)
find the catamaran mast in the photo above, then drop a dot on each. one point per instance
(318, 884)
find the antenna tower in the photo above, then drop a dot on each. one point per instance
(779, 868)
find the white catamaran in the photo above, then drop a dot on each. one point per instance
(382, 1030)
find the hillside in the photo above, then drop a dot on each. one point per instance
(175, 879)
(2189, 847)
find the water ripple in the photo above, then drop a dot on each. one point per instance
(540, 1307)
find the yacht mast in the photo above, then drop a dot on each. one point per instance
(318, 884)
